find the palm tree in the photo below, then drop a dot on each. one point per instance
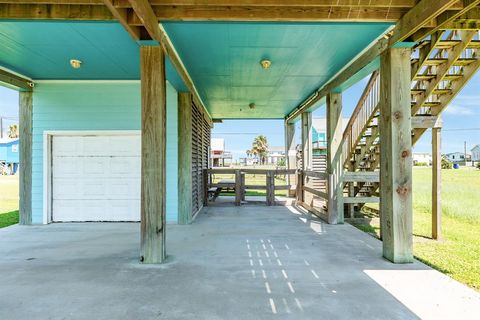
(13, 131)
(260, 148)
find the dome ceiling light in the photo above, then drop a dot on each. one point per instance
(266, 64)
(76, 64)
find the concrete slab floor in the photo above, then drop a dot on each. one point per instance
(231, 263)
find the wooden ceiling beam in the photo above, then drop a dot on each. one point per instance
(121, 14)
(145, 14)
(240, 3)
(277, 3)
(55, 12)
(443, 20)
(15, 81)
(78, 2)
(269, 13)
(417, 17)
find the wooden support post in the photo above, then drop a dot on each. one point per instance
(290, 156)
(238, 188)
(436, 183)
(153, 90)
(396, 155)
(351, 206)
(243, 186)
(334, 157)
(270, 188)
(25, 154)
(185, 158)
(307, 152)
(207, 178)
(300, 191)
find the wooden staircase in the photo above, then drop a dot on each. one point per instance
(441, 65)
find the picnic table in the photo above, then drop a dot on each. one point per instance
(228, 184)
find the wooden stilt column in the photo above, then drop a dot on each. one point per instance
(396, 155)
(184, 158)
(290, 156)
(153, 90)
(25, 154)
(334, 158)
(307, 152)
(436, 183)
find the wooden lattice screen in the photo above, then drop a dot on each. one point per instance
(200, 155)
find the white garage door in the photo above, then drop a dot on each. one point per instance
(96, 178)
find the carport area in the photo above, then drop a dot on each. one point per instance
(249, 262)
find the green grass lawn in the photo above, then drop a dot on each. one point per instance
(458, 255)
(255, 179)
(8, 200)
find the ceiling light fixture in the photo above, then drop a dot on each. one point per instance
(76, 64)
(266, 64)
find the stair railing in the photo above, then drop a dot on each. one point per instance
(362, 115)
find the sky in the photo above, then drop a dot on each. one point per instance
(8, 107)
(461, 121)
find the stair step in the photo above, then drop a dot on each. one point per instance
(431, 103)
(464, 61)
(424, 77)
(435, 61)
(452, 77)
(442, 91)
(447, 44)
(417, 91)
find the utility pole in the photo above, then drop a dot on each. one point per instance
(465, 152)
(1, 128)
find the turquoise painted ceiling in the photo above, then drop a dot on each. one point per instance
(42, 50)
(224, 61)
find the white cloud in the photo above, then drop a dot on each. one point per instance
(458, 110)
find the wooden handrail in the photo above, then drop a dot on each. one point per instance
(316, 174)
(251, 171)
(362, 115)
(362, 176)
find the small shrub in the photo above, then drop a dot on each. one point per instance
(421, 164)
(446, 164)
(478, 165)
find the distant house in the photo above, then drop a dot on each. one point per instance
(319, 134)
(275, 154)
(476, 153)
(9, 158)
(421, 157)
(457, 157)
(248, 161)
(220, 157)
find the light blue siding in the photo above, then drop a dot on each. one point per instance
(9, 151)
(87, 106)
